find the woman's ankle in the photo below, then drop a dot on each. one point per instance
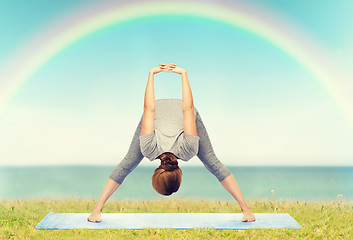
(97, 209)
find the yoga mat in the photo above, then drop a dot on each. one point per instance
(167, 220)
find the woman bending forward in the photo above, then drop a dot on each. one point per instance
(170, 129)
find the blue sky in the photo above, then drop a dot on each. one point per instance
(259, 105)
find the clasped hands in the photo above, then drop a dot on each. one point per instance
(167, 68)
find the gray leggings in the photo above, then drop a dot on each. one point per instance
(205, 154)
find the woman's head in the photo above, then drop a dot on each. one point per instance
(167, 177)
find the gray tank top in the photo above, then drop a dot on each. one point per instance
(168, 135)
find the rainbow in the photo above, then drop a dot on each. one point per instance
(260, 22)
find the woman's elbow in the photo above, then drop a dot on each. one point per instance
(151, 108)
(188, 108)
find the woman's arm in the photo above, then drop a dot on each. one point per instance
(149, 104)
(188, 103)
(188, 107)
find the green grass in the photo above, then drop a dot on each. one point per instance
(321, 220)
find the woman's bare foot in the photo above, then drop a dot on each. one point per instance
(248, 216)
(95, 216)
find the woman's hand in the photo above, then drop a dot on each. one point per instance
(156, 70)
(172, 68)
(166, 68)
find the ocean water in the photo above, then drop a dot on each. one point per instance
(288, 183)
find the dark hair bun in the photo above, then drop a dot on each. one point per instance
(169, 165)
(169, 162)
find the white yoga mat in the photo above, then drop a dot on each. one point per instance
(167, 220)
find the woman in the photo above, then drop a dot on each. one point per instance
(170, 129)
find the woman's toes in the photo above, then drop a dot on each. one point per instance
(91, 220)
